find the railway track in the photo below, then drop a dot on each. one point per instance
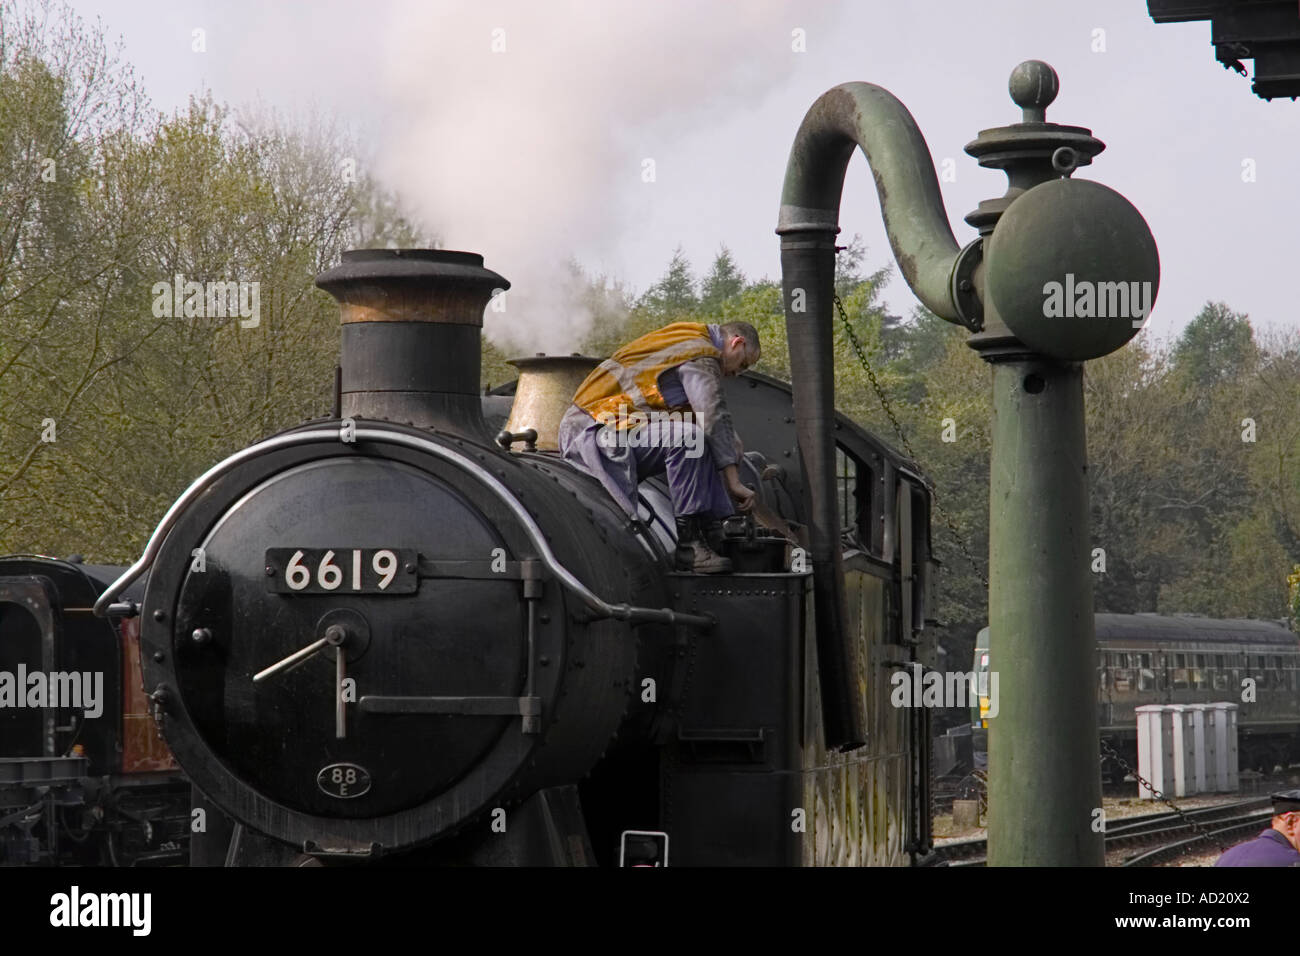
(1231, 830)
(1166, 829)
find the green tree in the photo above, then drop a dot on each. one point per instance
(65, 100)
(1140, 497)
(1216, 345)
(675, 291)
(110, 404)
(723, 281)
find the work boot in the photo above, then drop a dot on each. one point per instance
(693, 552)
(711, 529)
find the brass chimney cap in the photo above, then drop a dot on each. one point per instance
(412, 285)
(555, 363)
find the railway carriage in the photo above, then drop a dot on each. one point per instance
(1188, 659)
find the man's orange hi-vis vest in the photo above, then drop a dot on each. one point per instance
(628, 381)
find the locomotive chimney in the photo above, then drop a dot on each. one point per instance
(411, 325)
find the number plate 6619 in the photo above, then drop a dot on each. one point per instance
(342, 570)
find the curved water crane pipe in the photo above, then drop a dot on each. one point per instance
(865, 116)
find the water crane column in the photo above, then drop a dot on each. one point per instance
(1063, 271)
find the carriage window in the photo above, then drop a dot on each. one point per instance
(1180, 678)
(1218, 661)
(1144, 660)
(1200, 660)
(1198, 677)
(1180, 660)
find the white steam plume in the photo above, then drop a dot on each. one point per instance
(523, 126)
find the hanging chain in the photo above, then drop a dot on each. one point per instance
(907, 446)
(1108, 751)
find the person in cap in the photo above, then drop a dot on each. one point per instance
(656, 406)
(1279, 845)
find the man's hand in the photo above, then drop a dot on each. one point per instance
(740, 493)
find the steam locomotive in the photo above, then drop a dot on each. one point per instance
(396, 635)
(84, 778)
(1188, 659)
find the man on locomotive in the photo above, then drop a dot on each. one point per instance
(1277, 846)
(657, 405)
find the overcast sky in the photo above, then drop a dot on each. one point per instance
(537, 150)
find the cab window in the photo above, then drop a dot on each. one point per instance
(855, 485)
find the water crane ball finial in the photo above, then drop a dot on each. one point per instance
(1033, 87)
(1073, 269)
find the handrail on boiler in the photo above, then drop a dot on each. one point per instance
(604, 609)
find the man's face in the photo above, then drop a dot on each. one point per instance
(1288, 824)
(734, 358)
